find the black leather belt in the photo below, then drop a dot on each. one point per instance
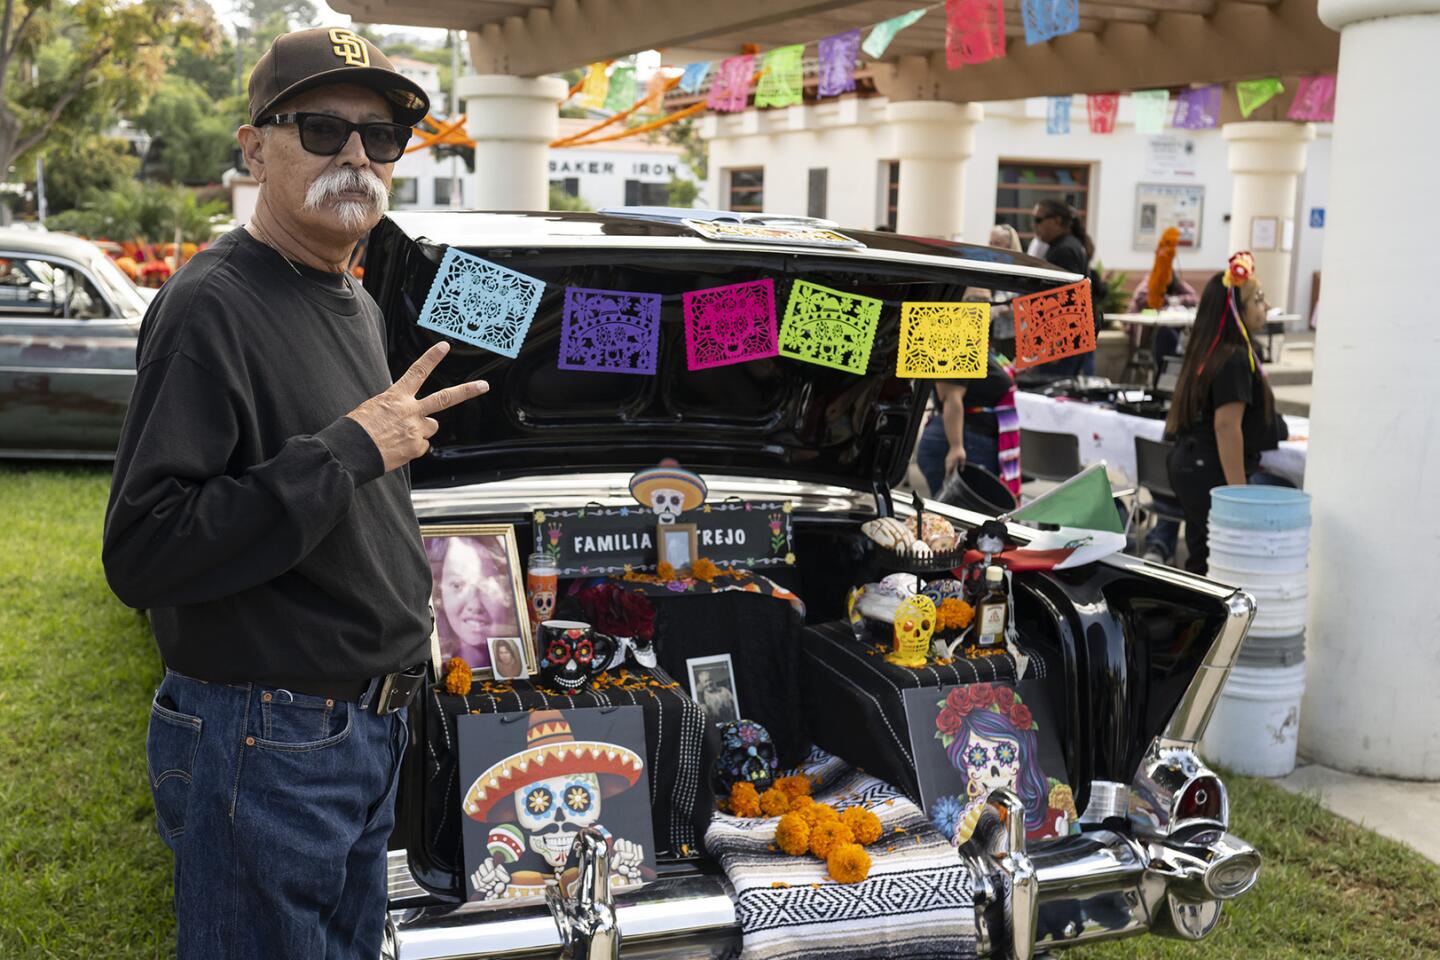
(388, 693)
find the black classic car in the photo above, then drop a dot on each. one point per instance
(1135, 653)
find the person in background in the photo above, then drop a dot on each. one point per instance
(1223, 414)
(1068, 247)
(1002, 319)
(975, 422)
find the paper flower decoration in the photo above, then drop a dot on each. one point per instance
(829, 327)
(943, 340)
(481, 302)
(731, 324)
(610, 331)
(1240, 269)
(1054, 324)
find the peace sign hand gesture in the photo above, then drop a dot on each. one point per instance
(399, 422)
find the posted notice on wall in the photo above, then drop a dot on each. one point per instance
(1159, 206)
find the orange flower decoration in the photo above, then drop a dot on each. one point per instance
(774, 803)
(864, 824)
(848, 863)
(458, 677)
(954, 613)
(704, 569)
(792, 834)
(815, 813)
(826, 835)
(665, 571)
(801, 803)
(796, 786)
(744, 801)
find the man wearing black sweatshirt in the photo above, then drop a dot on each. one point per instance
(261, 512)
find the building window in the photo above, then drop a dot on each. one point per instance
(404, 191)
(1021, 185)
(816, 197)
(747, 190)
(638, 193)
(570, 186)
(892, 193)
(442, 191)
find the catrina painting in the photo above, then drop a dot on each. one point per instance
(970, 739)
(531, 781)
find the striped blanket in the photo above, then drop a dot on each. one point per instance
(915, 903)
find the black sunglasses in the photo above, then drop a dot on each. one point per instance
(322, 134)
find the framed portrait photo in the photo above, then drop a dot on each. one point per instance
(712, 685)
(675, 543)
(478, 597)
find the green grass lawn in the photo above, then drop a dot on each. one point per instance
(83, 873)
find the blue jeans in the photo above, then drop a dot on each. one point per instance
(278, 808)
(980, 449)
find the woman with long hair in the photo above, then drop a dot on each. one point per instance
(1069, 248)
(1223, 412)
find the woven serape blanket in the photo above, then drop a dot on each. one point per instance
(916, 902)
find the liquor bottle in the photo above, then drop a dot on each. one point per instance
(993, 611)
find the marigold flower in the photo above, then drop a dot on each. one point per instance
(704, 569)
(954, 614)
(796, 785)
(848, 863)
(744, 801)
(458, 677)
(801, 803)
(665, 571)
(774, 803)
(826, 835)
(864, 824)
(793, 834)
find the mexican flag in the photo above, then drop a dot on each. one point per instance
(1083, 508)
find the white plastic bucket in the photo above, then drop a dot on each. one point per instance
(1260, 507)
(1256, 724)
(1260, 544)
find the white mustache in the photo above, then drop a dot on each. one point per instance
(354, 214)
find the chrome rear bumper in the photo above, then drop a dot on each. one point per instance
(1093, 886)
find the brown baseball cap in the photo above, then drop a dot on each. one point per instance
(306, 59)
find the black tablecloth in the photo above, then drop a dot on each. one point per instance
(679, 747)
(855, 702)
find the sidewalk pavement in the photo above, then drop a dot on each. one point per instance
(1402, 810)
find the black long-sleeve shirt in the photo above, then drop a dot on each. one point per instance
(247, 512)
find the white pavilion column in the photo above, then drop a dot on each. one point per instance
(1266, 160)
(933, 139)
(1372, 703)
(512, 121)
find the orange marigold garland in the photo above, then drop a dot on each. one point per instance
(458, 677)
(774, 803)
(665, 571)
(792, 834)
(744, 801)
(796, 785)
(848, 863)
(954, 614)
(864, 824)
(704, 569)
(827, 835)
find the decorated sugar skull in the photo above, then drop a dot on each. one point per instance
(541, 796)
(552, 810)
(668, 490)
(746, 753)
(543, 603)
(914, 626)
(572, 654)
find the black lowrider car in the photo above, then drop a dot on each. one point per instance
(1138, 652)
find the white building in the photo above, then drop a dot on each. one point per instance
(838, 159)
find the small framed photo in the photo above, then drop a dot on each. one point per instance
(712, 685)
(676, 544)
(506, 660)
(478, 596)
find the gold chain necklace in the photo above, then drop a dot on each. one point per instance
(266, 240)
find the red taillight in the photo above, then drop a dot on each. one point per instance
(1203, 799)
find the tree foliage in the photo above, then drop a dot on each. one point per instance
(74, 168)
(193, 134)
(147, 211)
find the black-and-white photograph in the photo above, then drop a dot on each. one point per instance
(712, 684)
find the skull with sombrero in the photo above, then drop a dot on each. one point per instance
(557, 784)
(668, 489)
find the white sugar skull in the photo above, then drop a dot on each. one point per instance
(552, 811)
(990, 763)
(667, 503)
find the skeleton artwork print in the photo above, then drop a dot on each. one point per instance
(524, 811)
(668, 490)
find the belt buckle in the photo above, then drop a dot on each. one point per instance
(399, 688)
